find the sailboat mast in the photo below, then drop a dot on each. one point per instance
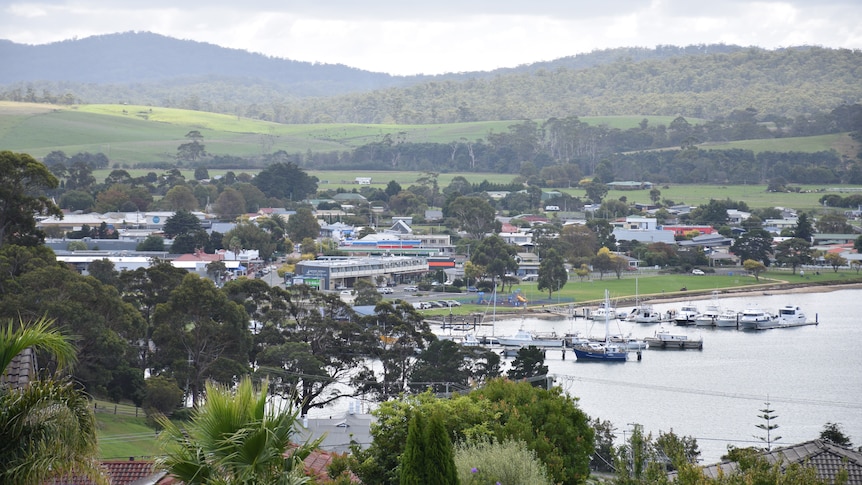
(607, 318)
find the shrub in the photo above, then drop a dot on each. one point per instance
(488, 462)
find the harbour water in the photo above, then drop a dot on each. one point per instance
(811, 375)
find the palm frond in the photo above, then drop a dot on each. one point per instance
(14, 338)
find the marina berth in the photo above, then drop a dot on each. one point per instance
(727, 319)
(686, 315)
(757, 319)
(665, 339)
(605, 351)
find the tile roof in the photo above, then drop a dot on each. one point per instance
(827, 457)
(316, 464)
(20, 370)
(121, 472)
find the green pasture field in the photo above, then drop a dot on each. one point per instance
(807, 144)
(756, 196)
(129, 134)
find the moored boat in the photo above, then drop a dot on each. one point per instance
(707, 317)
(757, 319)
(644, 314)
(665, 339)
(606, 351)
(686, 314)
(789, 316)
(524, 338)
(727, 318)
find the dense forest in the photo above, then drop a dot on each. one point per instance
(707, 81)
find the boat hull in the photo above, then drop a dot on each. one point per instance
(658, 343)
(599, 354)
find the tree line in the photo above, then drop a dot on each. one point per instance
(705, 82)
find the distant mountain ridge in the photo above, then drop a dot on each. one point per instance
(700, 81)
(145, 57)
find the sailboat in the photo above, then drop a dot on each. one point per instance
(643, 313)
(601, 351)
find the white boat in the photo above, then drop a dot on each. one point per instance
(789, 316)
(644, 314)
(601, 312)
(727, 318)
(708, 317)
(757, 319)
(524, 338)
(470, 340)
(686, 314)
(628, 342)
(665, 339)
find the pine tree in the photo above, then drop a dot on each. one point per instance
(439, 454)
(413, 458)
(768, 426)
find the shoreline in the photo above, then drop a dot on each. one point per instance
(773, 288)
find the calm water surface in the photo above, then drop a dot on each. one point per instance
(811, 375)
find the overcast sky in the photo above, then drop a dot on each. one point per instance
(432, 37)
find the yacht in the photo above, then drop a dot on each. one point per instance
(756, 319)
(790, 315)
(524, 338)
(686, 314)
(727, 318)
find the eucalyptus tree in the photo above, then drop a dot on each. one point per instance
(251, 236)
(396, 333)
(793, 252)
(475, 215)
(755, 244)
(22, 180)
(144, 288)
(200, 335)
(552, 273)
(308, 342)
(496, 256)
(106, 330)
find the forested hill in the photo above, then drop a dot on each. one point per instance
(781, 83)
(141, 58)
(705, 81)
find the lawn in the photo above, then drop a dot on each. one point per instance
(646, 285)
(122, 436)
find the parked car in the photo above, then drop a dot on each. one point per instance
(697, 271)
(385, 290)
(411, 288)
(472, 289)
(453, 302)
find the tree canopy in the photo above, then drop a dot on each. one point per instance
(24, 182)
